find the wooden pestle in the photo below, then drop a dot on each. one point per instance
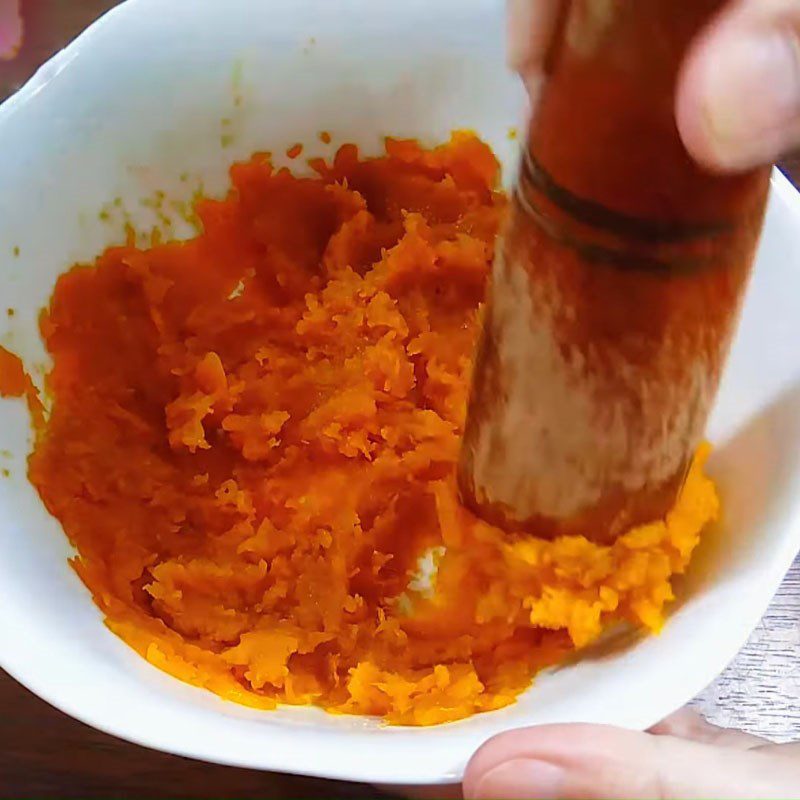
(615, 290)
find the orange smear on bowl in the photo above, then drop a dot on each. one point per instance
(15, 382)
(13, 378)
(294, 151)
(253, 443)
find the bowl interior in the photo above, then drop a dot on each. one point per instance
(148, 102)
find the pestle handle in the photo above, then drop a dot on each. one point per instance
(615, 291)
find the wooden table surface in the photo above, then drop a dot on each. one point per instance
(46, 754)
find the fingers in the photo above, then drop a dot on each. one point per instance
(738, 102)
(688, 724)
(530, 28)
(586, 761)
(10, 29)
(791, 750)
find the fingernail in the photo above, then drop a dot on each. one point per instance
(752, 97)
(521, 779)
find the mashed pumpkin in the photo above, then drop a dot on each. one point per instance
(253, 441)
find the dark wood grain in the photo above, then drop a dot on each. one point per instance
(44, 753)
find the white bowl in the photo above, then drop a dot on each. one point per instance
(148, 94)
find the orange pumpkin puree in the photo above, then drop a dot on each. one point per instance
(253, 441)
(15, 382)
(13, 378)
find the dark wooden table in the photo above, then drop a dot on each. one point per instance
(44, 753)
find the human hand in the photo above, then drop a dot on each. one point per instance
(10, 29)
(738, 101)
(681, 758)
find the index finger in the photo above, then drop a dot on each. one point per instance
(530, 28)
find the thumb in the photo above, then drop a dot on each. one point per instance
(738, 102)
(593, 762)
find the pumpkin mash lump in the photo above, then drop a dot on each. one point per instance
(253, 440)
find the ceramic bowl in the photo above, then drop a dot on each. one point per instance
(163, 96)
